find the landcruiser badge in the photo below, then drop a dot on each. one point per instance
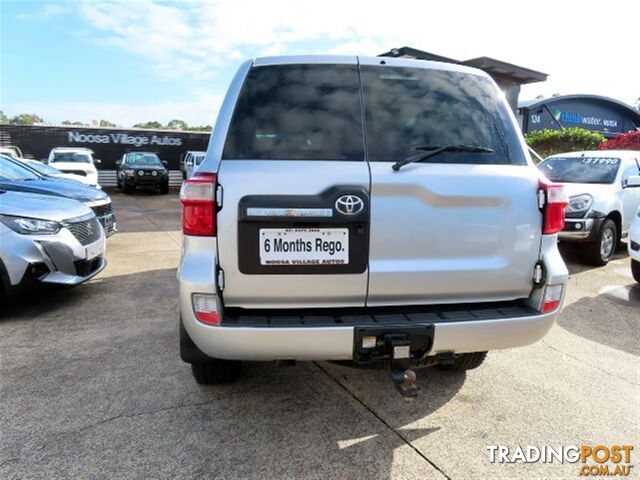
(349, 204)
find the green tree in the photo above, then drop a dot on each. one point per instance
(3, 117)
(201, 128)
(176, 124)
(549, 142)
(26, 119)
(69, 122)
(151, 124)
(104, 123)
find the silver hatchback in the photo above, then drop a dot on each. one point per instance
(47, 240)
(375, 210)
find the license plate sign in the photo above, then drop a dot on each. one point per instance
(94, 250)
(304, 246)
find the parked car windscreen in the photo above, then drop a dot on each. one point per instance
(297, 112)
(410, 107)
(71, 157)
(12, 171)
(580, 169)
(142, 159)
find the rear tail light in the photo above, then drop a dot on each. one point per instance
(206, 308)
(552, 200)
(552, 298)
(198, 197)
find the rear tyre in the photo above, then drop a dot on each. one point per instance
(164, 188)
(465, 361)
(635, 270)
(216, 372)
(600, 252)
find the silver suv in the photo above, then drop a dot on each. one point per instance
(375, 210)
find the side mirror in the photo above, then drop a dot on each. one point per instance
(165, 163)
(97, 160)
(632, 181)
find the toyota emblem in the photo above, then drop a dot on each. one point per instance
(349, 204)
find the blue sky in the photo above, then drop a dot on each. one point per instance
(143, 60)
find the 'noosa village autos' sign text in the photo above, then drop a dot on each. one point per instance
(124, 139)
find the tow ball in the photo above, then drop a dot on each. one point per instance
(403, 377)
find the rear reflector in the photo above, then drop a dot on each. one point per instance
(205, 308)
(554, 202)
(199, 205)
(552, 298)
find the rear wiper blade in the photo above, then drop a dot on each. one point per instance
(428, 151)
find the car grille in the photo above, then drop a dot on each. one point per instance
(85, 231)
(87, 267)
(102, 210)
(75, 172)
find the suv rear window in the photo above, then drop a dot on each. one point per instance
(407, 107)
(297, 112)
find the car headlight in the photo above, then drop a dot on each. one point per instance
(154, 173)
(580, 203)
(129, 173)
(30, 226)
(141, 172)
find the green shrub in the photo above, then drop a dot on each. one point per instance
(549, 142)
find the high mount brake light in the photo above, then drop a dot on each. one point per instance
(198, 197)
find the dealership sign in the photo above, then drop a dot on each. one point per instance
(124, 139)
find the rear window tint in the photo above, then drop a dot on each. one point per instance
(407, 107)
(297, 112)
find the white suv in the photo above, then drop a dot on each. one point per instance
(76, 161)
(604, 195)
(375, 210)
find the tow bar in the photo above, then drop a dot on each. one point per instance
(403, 377)
(400, 347)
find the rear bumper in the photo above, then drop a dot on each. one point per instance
(337, 343)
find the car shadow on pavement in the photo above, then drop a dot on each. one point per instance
(611, 318)
(574, 257)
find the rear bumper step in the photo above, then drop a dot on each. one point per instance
(334, 337)
(405, 316)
